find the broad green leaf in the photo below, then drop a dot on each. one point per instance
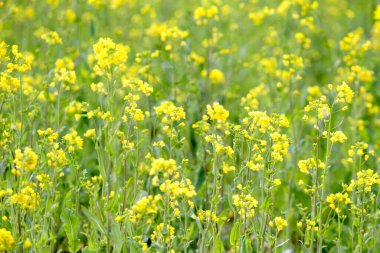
(71, 226)
(235, 232)
(116, 237)
(219, 247)
(95, 221)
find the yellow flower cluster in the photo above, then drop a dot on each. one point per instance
(138, 85)
(303, 40)
(49, 134)
(360, 73)
(280, 223)
(306, 166)
(76, 107)
(6, 240)
(320, 106)
(338, 136)
(261, 121)
(352, 45)
(131, 110)
(250, 101)
(64, 72)
(311, 225)
(90, 133)
(90, 184)
(166, 167)
(259, 16)
(146, 206)
(292, 61)
(335, 199)
(376, 27)
(175, 189)
(109, 56)
(14, 62)
(217, 112)
(280, 145)
(104, 115)
(170, 112)
(99, 88)
(207, 215)
(256, 164)
(8, 83)
(245, 205)
(51, 38)
(360, 149)
(44, 180)
(172, 34)
(73, 140)
(365, 180)
(8, 191)
(203, 15)
(27, 198)
(57, 158)
(345, 93)
(227, 168)
(163, 233)
(26, 160)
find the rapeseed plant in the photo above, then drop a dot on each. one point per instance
(201, 126)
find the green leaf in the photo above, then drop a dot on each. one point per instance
(201, 178)
(235, 232)
(248, 244)
(71, 226)
(116, 237)
(95, 222)
(219, 247)
(304, 249)
(243, 248)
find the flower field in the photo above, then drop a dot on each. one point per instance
(189, 126)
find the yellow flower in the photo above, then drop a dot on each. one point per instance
(226, 168)
(44, 180)
(280, 223)
(216, 76)
(203, 15)
(90, 133)
(170, 112)
(109, 56)
(207, 215)
(8, 83)
(27, 244)
(6, 240)
(73, 140)
(57, 158)
(277, 182)
(118, 218)
(27, 198)
(345, 93)
(245, 205)
(338, 136)
(144, 207)
(163, 233)
(167, 167)
(51, 38)
(310, 224)
(26, 160)
(217, 112)
(307, 165)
